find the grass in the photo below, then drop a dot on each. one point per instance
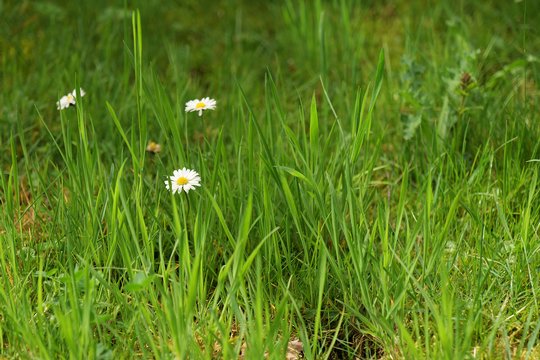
(369, 180)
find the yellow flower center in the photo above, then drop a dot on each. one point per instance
(200, 105)
(182, 180)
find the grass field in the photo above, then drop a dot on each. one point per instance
(369, 180)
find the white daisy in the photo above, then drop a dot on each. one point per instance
(65, 102)
(74, 92)
(200, 105)
(183, 179)
(68, 100)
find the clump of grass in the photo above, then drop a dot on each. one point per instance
(354, 202)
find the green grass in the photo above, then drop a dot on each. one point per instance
(369, 180)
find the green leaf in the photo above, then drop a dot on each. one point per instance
(314, 130)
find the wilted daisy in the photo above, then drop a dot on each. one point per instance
(153, 147)
(69, 99)
(200, 105)
(183, 179)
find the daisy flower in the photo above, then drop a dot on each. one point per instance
(200, 105)
(74, 92)
(183, 179)
(65, 101)
(68, 100)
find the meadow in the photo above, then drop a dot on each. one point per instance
(368, 179)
